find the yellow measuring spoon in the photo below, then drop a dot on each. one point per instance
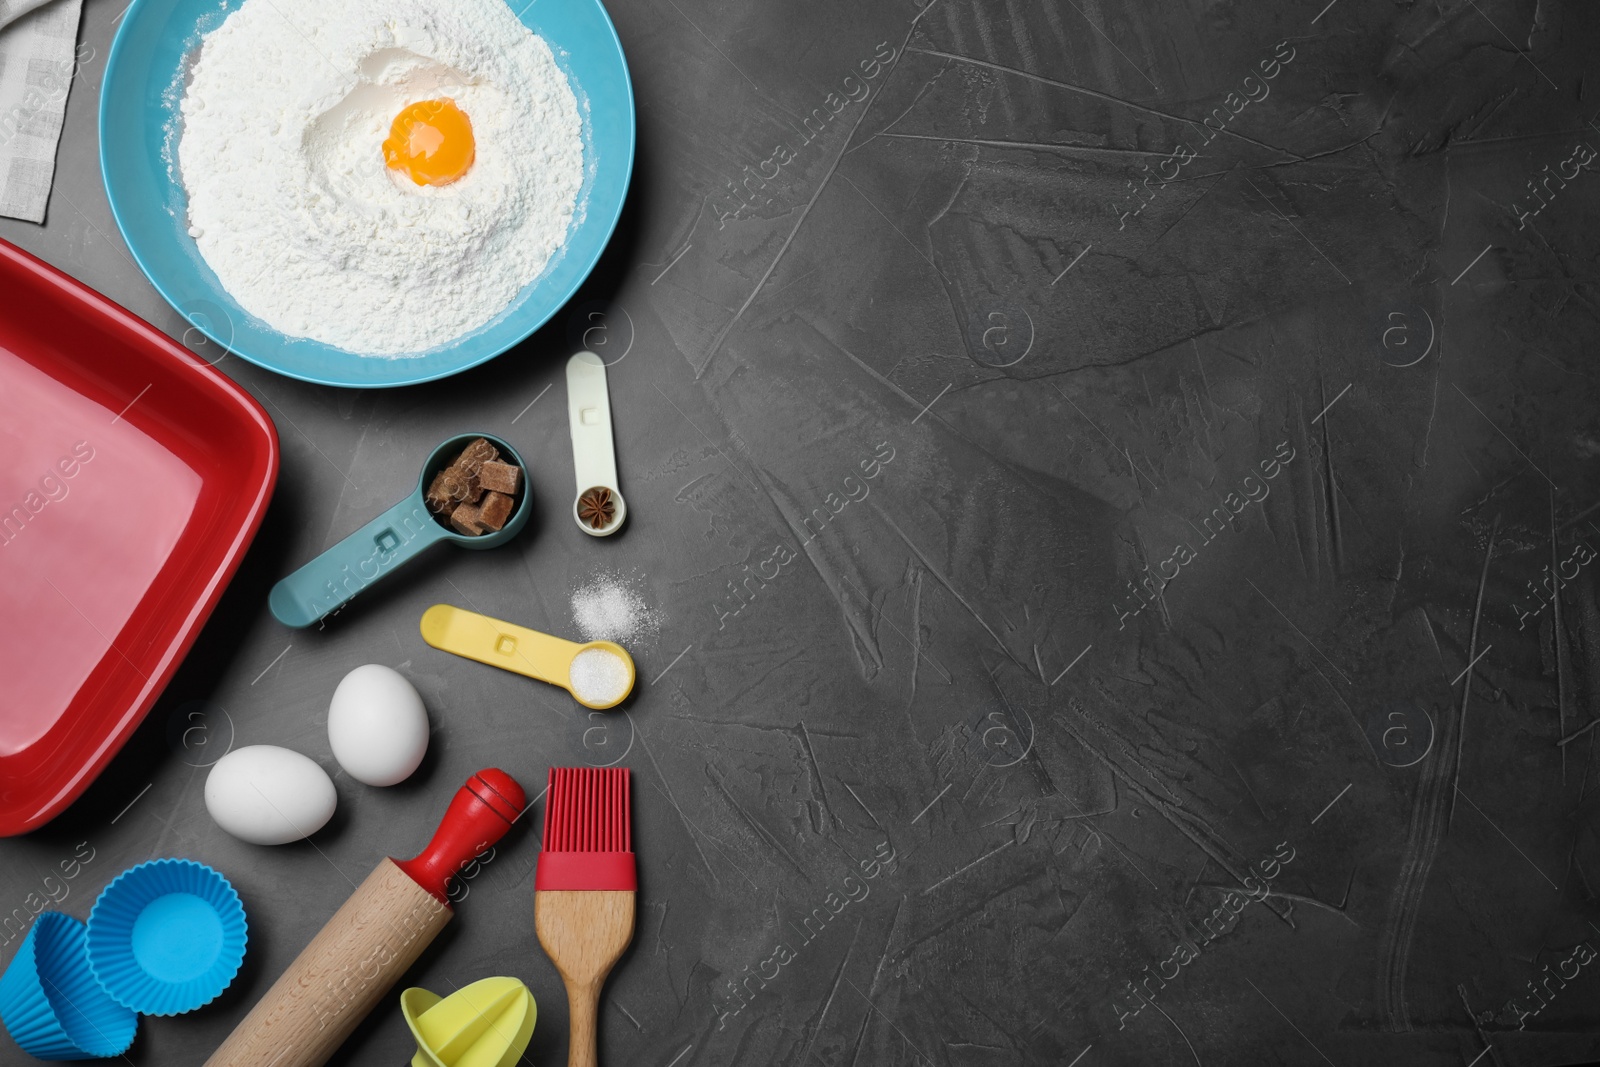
(598, 674)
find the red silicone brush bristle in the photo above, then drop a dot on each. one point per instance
(588, 810)
(588, 830)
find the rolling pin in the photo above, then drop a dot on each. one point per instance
(370, 942)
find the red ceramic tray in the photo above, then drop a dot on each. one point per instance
(132, 479)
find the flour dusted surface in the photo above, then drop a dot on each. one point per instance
(293, 206)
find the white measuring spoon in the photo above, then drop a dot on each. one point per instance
(594, 458)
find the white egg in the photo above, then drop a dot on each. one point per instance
(377, 726)
(269, 795)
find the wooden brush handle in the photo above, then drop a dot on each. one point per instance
(583, 1013)
(584, 932)
(348, 967)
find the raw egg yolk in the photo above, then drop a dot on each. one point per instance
(431, 141)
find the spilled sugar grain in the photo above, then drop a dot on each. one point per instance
(610, 607)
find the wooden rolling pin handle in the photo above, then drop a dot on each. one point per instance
(371, 941)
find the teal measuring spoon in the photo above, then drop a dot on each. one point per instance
(330, 581)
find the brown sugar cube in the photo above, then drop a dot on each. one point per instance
(463, 487)
(496, 509)
(467, 519)
(438, 495)
(475, 455)
(449, 488)
(500, 477)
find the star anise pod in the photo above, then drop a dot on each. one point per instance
(596, 507)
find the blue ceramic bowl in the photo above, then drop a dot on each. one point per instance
(137, 107)
(50, 1002)
(166, 937)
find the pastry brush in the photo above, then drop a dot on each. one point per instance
(585, 888)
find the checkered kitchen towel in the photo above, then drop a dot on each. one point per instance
(38, 58)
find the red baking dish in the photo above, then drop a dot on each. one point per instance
(132, 479)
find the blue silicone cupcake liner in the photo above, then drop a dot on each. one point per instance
(166, 937)
(50, 1002)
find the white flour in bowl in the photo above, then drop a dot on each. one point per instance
(291, 200)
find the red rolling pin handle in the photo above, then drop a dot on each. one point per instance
(481, 813)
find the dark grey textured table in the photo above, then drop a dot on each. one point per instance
(1187, 684)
